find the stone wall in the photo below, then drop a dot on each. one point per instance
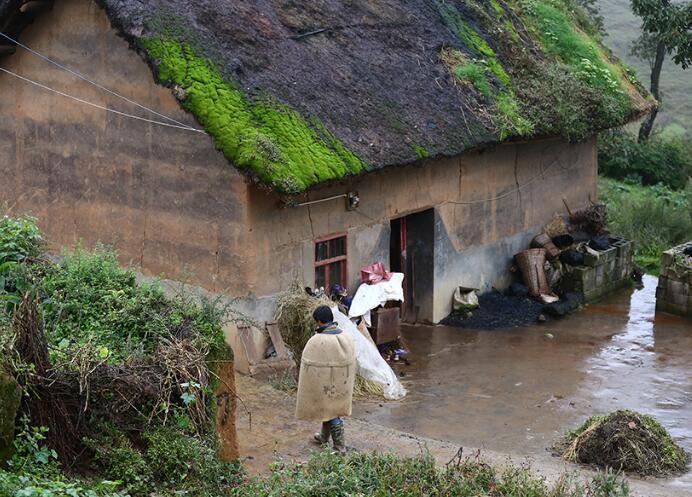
(609, 270)
(674, 290)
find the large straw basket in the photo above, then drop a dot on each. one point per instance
(530, 263)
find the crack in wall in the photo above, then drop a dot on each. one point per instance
(312, 228)
(516, 176)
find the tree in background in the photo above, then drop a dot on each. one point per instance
(667, 29)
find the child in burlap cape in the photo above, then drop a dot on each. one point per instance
(327, 376)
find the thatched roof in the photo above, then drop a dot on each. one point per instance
(297, 93)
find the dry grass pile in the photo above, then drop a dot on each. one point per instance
(296, 325)
(294, 309)
(592, 219)
(555, 227)
(628, 441)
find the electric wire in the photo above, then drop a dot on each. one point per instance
(101, 107)
(97, 85)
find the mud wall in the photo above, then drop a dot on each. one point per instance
(172, 205)
(488, 205)
(168, 201)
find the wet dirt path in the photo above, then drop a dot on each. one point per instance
(518, 390)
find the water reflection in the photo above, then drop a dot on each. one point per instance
(518, 390)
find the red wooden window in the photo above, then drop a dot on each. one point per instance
(330, 262)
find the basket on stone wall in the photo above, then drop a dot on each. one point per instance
(530, 263)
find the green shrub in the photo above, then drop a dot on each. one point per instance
(94, 301)
(116, 458)
(189, 463)
(33, 471)
(666, 160)
(19, 238)
(654, 218)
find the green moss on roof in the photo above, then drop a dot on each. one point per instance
(571, 88)
(263, 136)
(560, 38)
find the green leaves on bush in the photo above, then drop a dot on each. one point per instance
(96, 303)
(654, 218)
(657, 160)
(168, 462)
(19, 238)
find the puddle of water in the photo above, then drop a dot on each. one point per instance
(518, 390)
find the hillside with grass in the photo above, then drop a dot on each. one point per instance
(623, 27)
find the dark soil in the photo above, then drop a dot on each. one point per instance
(498, 310)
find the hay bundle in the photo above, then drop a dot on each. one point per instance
(628, 441)
(296, 325)
(294, 309)
(555, 227)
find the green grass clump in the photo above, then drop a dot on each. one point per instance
(628, 441)
(559, 37)
(263, 136)
(654, 218)
(474, 74)
(509, 118)
(387, 474)
(420, 151)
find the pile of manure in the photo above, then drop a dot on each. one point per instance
(625, 441)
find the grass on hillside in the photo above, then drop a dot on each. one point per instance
(655, 218)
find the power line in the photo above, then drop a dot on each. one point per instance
(101, 107)
(101, 87)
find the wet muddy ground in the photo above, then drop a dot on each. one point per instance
(518, 390)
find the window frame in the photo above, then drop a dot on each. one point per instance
(331, 260)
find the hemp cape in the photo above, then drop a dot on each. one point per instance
(327, 376)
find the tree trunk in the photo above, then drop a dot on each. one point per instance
(648, 124)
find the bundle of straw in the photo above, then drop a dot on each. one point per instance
(294, 316)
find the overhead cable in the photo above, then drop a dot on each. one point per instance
(101, 107)
(97, 85)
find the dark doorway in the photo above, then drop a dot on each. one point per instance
(411, 252)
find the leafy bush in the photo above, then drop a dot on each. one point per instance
(19, 238)
(169, 462)
(33, 471)
(654, 218)
(329, 475)
(94, 301)
(666, 160)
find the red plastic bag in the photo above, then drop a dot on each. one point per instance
(374, 273)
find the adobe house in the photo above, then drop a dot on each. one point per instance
(305, 139)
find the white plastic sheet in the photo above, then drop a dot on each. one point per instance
(370, 297)
(370, 364)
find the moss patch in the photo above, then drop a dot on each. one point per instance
(421, 151)
(560, 38)
(263, 136)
